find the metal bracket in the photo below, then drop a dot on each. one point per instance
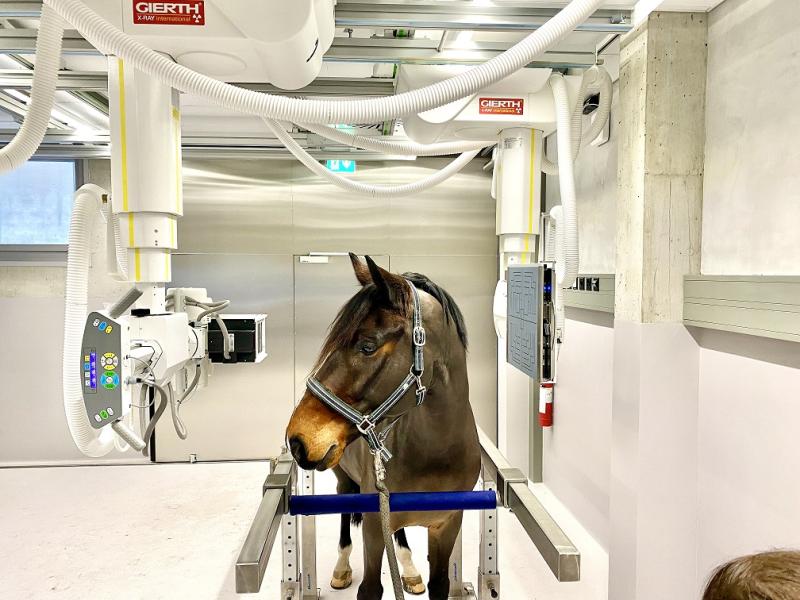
(505, 477)
(281, 477)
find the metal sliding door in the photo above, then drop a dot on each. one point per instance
(243, 412)
(322, 284)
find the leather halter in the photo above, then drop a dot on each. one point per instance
(367, 423)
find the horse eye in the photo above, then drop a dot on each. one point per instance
(368, 348)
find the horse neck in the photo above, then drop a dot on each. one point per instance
(449, 386)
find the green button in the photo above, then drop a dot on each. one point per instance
(104, 414)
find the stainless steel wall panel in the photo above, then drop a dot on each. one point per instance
(236, 206)
(327, 218)
(243, 412)
(471, 281)
(456, 218)
(250, 219)
(320, 291)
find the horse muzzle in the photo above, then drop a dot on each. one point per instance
(300, 452)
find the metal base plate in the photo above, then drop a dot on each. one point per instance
(468, 594)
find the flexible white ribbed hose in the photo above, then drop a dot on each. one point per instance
(85, 210)
(390, 146)
(550, 239)
(568, 270)
(557, 217)
(45, 76)
(596, 80)
(376, 191)
(111, 40)
(116, 256)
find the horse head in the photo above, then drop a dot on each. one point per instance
(368, 351)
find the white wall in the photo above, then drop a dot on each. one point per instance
(749, 407)
(740, 390)
(33, 427)
(577, 449)
(748, 455)
(752, 180)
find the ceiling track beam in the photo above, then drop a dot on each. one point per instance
(462, 15)
(19, 79)
(458, 16)
(358, 50)
(427, 52)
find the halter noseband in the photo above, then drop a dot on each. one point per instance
(367, 423)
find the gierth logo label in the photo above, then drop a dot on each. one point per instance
(501, 106)
(187, 12)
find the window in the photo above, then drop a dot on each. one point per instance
(35, 203)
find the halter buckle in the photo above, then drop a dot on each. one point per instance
(419, 335)
(366, 426)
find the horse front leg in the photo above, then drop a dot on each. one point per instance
(441, 541)
(342, 573)
(371, 588)
(412, 580)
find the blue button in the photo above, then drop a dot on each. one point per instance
(102, 325)
(85, 366)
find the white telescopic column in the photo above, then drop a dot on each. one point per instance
(517, 188)
(146, 173)
(518, 192)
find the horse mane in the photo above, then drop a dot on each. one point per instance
(352, 314)
(449, 306)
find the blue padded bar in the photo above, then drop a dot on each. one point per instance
(332, 504)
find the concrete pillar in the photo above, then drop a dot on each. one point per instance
(653, 494)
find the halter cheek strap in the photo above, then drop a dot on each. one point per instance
(367, 423)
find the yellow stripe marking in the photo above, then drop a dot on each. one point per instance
(531, 189)
(123, 136)
(176, 121)
(531, 181)
(137, 261)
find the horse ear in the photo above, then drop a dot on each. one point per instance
(391, 288)
(360, 269)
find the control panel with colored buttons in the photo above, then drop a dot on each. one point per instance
(101, 364)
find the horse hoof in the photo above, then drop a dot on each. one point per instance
(342, 580)
(413, 585)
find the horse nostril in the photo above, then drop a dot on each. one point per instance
(298, 449)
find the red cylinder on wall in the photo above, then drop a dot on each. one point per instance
(546, 404)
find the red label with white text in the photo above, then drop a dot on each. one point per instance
(501, 106)
(182, 12)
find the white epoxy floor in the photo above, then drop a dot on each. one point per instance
(173, 532)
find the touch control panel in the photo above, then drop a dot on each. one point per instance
(101, 370)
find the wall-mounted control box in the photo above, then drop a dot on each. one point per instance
(530, 324)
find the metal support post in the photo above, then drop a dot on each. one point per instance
(290, 583)
(308, 525)
(488, 574)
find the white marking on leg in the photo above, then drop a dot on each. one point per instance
(404, 557)
(343, 563)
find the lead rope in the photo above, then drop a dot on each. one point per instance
(386, 527)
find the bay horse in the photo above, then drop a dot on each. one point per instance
(435, 445)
